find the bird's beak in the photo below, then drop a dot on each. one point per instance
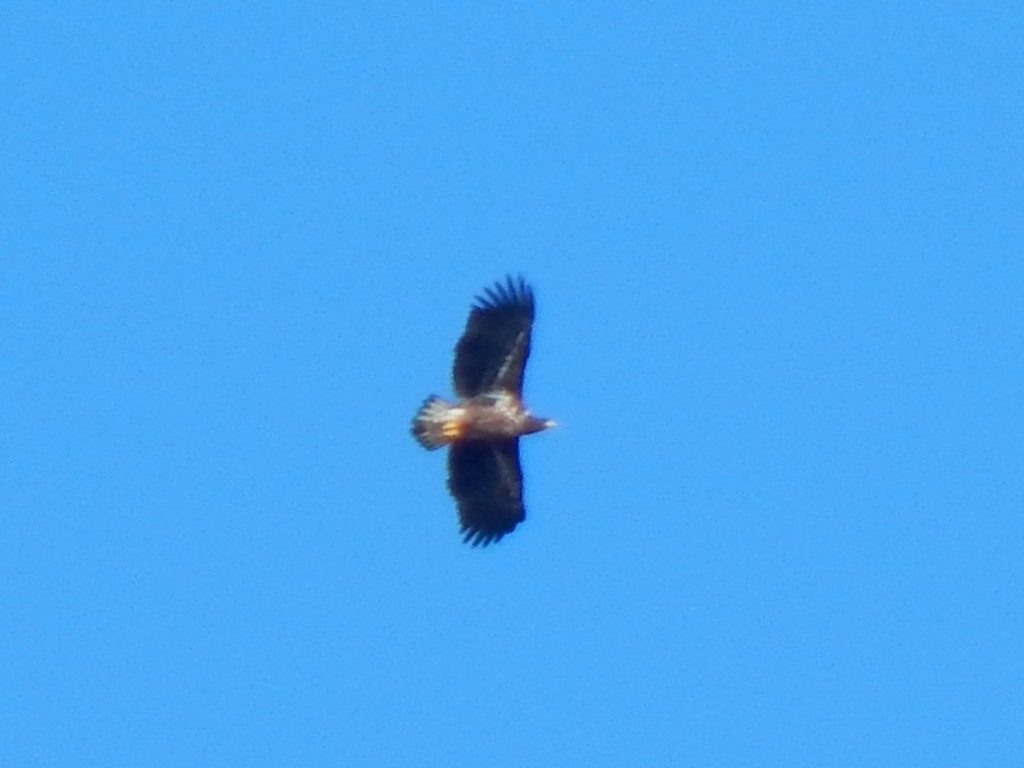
(550, 423)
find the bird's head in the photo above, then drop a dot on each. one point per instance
(538, 424)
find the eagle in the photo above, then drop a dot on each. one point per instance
(482, 429)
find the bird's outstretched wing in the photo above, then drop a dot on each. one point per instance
(487, 482)
(493, 350)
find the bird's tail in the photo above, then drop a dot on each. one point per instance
(433, 425)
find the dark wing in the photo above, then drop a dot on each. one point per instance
(493, 350)
(487, 483)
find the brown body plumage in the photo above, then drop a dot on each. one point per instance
(482, 429)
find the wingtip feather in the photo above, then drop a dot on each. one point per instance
(514, 290)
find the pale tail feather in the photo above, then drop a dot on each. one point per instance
(428, 424)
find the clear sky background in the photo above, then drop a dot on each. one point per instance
(778, 262)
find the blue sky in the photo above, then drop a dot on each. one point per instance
(777, 255)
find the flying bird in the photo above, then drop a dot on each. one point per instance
(482, 429)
